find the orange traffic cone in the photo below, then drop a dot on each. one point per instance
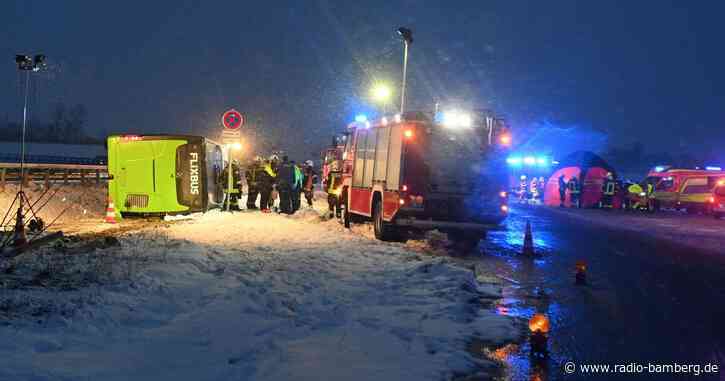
(528, 241)
(110, 212)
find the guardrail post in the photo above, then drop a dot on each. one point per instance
(3, 172)
(83, 177)
(47, 178)
(98, 177)
(65, 176)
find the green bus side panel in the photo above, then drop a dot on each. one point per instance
(143, 178)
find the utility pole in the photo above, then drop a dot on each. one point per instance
(407, 36)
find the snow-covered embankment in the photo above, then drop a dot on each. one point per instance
(250, 296)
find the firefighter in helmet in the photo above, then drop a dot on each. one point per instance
(523, 185)
(574, 192)
(309, 180)
(534, 189)
(265, 181)
(608, 189)
(252, 177)
(285, 185)
(562, 190)
(541, 186)
(236, 180)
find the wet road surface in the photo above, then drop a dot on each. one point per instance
(647, 300)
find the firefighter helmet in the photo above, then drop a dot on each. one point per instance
(309, 163)
(523, 177)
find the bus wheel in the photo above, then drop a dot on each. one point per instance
(383, 230)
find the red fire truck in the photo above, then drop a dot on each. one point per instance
(423, 172)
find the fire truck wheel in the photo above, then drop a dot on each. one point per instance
(345, 215)
(384, 231)
(465, 241)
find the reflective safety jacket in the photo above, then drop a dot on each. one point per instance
(634, 189)
(609, 187)
(298, 178)
(269, 170)
(573, 185)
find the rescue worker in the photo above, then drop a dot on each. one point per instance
(648, 195)
(236, 179)
(308, 182)
(522, 189)
(285, 183)
(541, 187)
(574, 192)
(297, 187)
(635, 197)
(274, 196)
(331, 185)
(608, 190)
(265, 181)
(562, 191)
(251, 175)
(534, 189)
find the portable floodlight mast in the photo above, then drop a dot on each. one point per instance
(28, 65)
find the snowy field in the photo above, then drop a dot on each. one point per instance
(243, 296)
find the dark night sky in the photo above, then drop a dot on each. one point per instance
(635, 70)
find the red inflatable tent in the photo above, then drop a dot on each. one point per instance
(590, 169)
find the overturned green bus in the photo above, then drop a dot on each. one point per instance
(164, 174)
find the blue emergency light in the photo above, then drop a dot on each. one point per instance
(541, 161)
(713, 168)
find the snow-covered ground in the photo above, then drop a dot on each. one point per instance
(242, 296)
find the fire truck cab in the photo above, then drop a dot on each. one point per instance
(414, 173)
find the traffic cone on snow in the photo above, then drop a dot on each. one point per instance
(110, 212)
(528, 241)
(19, 237)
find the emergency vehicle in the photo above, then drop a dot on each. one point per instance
(420, 172)
(717, 199)
(688, 189)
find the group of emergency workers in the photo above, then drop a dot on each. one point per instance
(279, 183)
(628, 195)
(531, 191)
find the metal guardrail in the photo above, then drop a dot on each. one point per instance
(52, 173)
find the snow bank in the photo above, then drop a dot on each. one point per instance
(74, 201)
(251, 296)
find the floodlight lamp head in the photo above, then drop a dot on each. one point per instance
(406, 34)
(24, 62)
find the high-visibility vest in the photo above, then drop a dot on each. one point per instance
(574, 187)
(609, 188)
(634, 189)
(269, 170)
